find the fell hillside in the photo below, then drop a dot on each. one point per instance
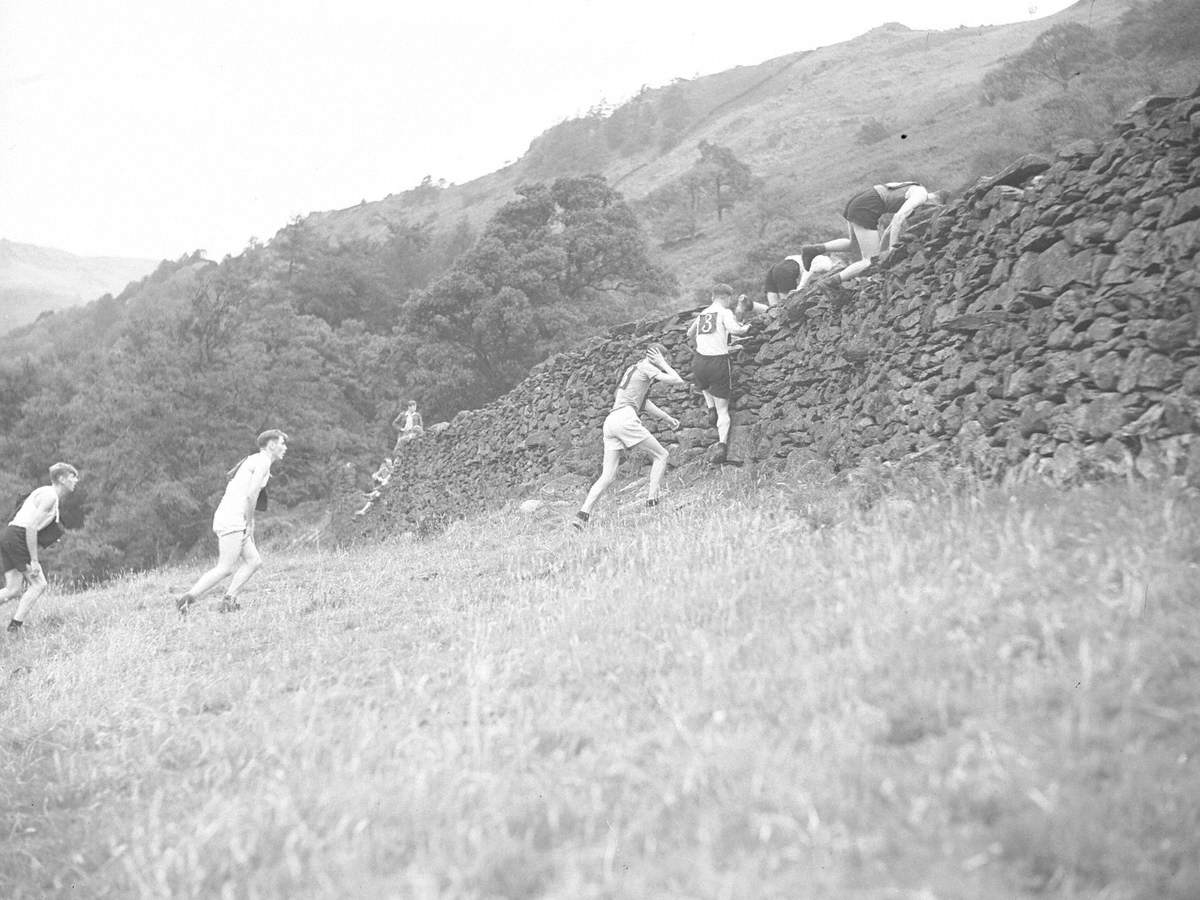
(795, 118)
(777, 685)
(34, 280)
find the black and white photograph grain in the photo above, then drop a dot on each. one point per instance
(599, 450)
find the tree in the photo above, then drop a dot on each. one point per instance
(1166, 30)
(1057, 55)
(720, 175)
(550, 266)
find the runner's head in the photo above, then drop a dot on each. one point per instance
(64, 474)
(412, 405)
(274, 442)
(938, 198)
(724, 293)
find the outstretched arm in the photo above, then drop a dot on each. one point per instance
(915, 197)
(660, 415)
(45, 512)
(732, 325)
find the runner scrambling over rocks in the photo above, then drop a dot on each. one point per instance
(865, 238)
(793, 274)
(623, 428)
(712, 371)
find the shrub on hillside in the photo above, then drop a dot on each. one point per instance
(1057, 56)
(1166, 30)
(872, 131)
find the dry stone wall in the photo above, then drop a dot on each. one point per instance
(1047, 322)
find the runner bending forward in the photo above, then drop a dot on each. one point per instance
(624, 430)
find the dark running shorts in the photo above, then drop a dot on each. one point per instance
(865, 209)
(783, 277)
(13, 552)
(713, 374)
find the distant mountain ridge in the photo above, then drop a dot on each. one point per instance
(34, 280)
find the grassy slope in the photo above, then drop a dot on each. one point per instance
(798, 116)
(774, 688)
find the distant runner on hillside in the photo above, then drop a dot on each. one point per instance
(35, 526)
(409, 425)
(712, 371)
(623, 428)
(791, 274)
(233, 523)
(865, 238)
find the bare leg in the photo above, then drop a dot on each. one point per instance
(13, 585)
(612, 459)
(868, 246)
(251, 562)
(37, 586)
(841, 245)
(228, 554)
(658, 467)
(723, 421)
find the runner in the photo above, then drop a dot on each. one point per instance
(862, 215)
(791, 274)
(233, 523)
(409, 424)
(34, 527)
(623, 429)
(712, 371)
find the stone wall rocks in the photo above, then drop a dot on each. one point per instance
(1047, 323)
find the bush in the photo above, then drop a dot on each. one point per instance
(873, 131)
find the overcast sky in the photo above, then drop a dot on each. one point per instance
(154, 127)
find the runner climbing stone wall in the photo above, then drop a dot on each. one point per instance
(1047, 322)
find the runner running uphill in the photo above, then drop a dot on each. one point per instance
(233, 523)
(623, 429)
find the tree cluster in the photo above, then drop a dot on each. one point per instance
(155, 393)
(1072, 81)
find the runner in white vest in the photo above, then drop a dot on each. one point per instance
(233, 523)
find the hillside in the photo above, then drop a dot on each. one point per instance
(782, 685)
(795, 121)
(34, 280)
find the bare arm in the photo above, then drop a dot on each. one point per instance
(732, 325)
(259, 474)
(45, 512)
(667, 375)
(660, 415)
(915, 196)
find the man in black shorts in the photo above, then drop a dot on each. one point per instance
(792, 273)
(864, 237)
(712, 371)
(35, 526)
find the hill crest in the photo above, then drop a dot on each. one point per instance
(35, 280)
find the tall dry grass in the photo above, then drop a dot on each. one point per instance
(866, 687)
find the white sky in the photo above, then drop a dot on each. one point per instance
(154, 127)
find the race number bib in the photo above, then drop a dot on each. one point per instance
(708, 323)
